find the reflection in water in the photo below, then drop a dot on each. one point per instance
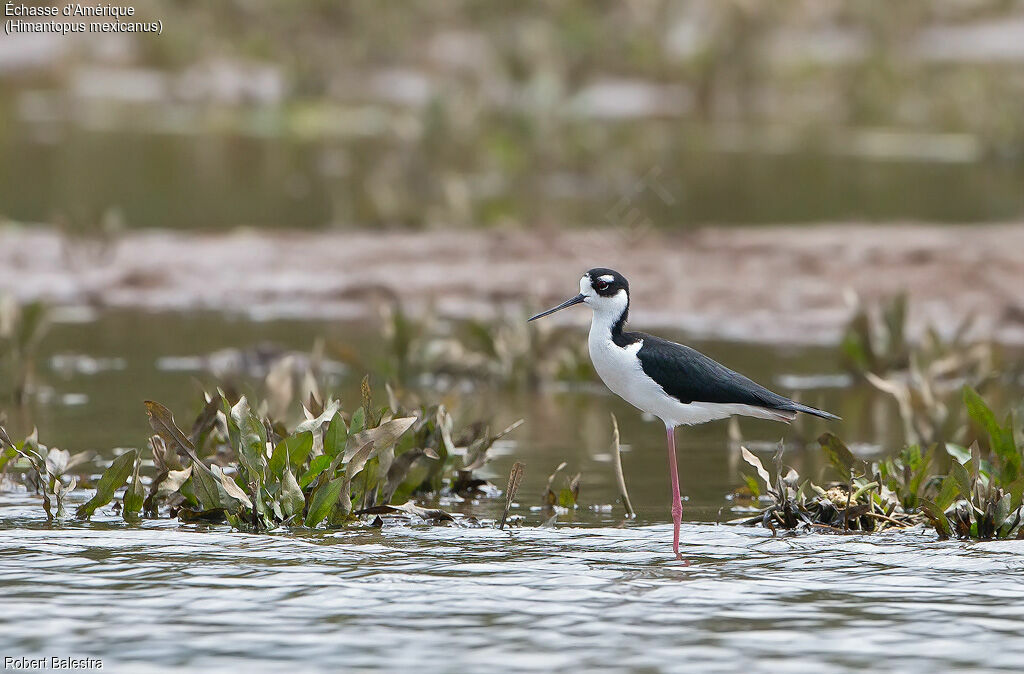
(597, 597)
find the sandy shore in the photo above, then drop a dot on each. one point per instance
(774, 284)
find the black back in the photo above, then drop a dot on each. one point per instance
(689, 376)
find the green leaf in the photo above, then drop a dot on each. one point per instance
(335, 437)
(323, 501)
(1000, 438)
(358, 422)
(291, 498)
(963, 479)
(937, 516)
(1016, 490)
(207, 488)
(839, 455)
(919, 464)
(6, 455)
(752, 485)
(134, 495)
(1002, 511)
(113, 478)
(318, 465)
(292, 450)
(958, 452)
(948, 493)
(252, 440)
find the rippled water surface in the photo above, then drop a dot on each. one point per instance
(418, 598)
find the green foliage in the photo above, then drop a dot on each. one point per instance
(1000, 437)
(976, 498)
(906, 475)
(329, 464)
(113, 478)
(981, 499)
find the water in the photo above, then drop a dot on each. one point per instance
(594, 591)
(160, 596)
(220, 181)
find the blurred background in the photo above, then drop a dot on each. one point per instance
(803, 189)
(471, 114)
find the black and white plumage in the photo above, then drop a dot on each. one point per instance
(676, 383)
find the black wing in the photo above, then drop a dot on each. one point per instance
(689, 376)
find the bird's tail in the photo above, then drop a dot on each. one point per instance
(806, 409)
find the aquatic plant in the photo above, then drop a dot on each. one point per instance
(22, 327)
(45, 470)
(976, 497)
(567, 496)
(239, 466)
(856, 504)
(922, 376)
(507, 350)
(876, 342)
(330, 468)
(981, 497)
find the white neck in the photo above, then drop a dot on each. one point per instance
(607, 312)
(602, 323)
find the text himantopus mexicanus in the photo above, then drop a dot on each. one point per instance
(675, 383)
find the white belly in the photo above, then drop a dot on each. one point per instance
(620, 370)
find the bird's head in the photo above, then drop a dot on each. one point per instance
(606, 291)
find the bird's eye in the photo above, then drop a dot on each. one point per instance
(600, 285)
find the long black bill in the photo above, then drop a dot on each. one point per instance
(568, 303)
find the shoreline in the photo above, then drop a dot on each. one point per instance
(771, 284)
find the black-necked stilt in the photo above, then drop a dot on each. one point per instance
(675, 383)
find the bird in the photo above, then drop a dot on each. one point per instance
(675, 383)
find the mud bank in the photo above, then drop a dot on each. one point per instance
(778, 284)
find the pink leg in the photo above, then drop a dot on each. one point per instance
(677, 506)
